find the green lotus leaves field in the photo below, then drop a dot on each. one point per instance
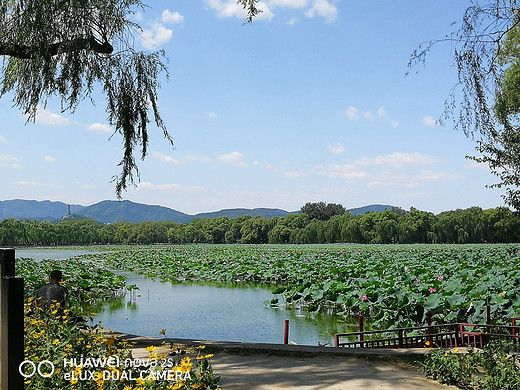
(395, 285)
(87, 282)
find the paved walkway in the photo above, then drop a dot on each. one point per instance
(275, 367)
(268, 372)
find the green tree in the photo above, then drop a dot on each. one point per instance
(215, 229)
(485, 102)
(415, 225)
(66, 48)
(280, 234)
(322, 211)
(234, 234)
(255, 231)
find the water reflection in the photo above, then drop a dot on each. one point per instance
(213, 312)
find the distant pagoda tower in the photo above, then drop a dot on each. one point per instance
(68, 209)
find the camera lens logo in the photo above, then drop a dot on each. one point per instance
(36, 368)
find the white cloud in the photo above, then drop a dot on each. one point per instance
(292, 21)
(212, 115)
(353, 170)
(171, 17)
(167, 159)
(388, 180)
(2, 139)
(288, 3)
(352, 112)
(49, 159)
(397, 160)
(429, 121)
(233, 158)
(169, 187)
(192, 157)
(7, 160)
(355, 113)
(436, 176)
(181, 161)
(230, 9)
(156, 36)
(346, 171)
(50, 118)
(294, 174)
(324, 9)
(368, 115)
(34, 184)
(337, 149)
(472, 164)
(100, 127)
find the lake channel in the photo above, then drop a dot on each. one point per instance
(207, 311)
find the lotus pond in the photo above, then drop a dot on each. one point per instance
(394, 285)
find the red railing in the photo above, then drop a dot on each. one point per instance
(443, 336)
(417, 337)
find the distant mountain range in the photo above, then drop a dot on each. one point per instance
(110, 211)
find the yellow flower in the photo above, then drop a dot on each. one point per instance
(151, 348)
(209, 355)
(456, 350)
(110, 341)
(186, 364)
(56, 342)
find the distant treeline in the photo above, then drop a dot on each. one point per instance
(472, 225)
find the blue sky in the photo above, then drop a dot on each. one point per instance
(309, 103)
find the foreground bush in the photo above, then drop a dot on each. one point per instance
(493, 368)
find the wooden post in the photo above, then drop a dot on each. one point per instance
(11, 322)
(361, 337)
(286, 332)
(429, 317)
(15, 346)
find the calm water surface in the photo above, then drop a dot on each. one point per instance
(213, 312)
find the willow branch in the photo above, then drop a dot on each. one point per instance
(28, 52)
